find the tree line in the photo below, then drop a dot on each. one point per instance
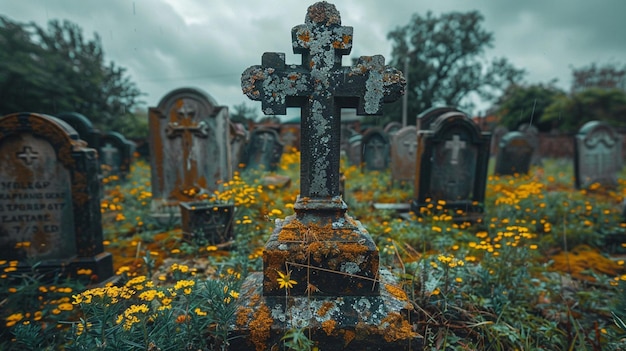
(56, 69)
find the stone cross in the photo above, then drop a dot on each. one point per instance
(28, 155)
(321, 86)
(456, 145)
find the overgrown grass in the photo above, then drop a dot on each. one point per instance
(543, 270)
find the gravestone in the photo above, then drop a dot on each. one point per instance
(452, 160)
(392, 127)
(355, 150)
(83, 126)
(597, 155)
(189, 149)
(515, 154)
(116, 152)
(375, 150)
(426, 118)
(340, 289)
(496, 136)
(290, 137)
(49, 198)
(404, 154)
(264, 150)
(238, 141)
(532, 135)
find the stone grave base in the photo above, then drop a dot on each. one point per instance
(101, 267)
(165, 212)
(382, 322)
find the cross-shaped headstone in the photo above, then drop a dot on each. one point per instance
(27, 155)
(456, 144)
(321, 86)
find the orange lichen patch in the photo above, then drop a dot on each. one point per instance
(397, 292)
(583, 258)
(304, 36)
(329, 326)
(338, 44)
(395, 327)
(346, 39)
(260, 327)
(348, 336)
(326, 306)
(242, 316)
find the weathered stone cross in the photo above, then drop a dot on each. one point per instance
(456, 144)
(28, 155)
(321, 86)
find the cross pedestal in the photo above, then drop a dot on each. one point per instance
(340, 293)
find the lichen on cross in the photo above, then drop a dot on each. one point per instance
(321, 87)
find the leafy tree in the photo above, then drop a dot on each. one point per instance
(445, 62)
(570, 112)
(607, 76)
(521, 104)
(56, 69)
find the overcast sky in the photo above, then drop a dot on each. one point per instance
(167, 44)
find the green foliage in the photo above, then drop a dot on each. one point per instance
(569, 113)
(243, 113)
(56, 70)
(526, 105)
(445, 58)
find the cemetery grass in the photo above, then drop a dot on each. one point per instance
(543, 270)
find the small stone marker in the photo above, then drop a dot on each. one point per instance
(515, 154)
(404, 154)
(339, 288)
(452, 160)
(597, 155)
(189, 149)
(375, 150)
(49, 198)
(264, 150)
(116, 152)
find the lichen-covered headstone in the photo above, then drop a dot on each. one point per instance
(452, 160)
(49, 198)
(514, 155)
(339, 287)
(404, 154)
(598, 155)
(189, 149)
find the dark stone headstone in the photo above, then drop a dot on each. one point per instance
(532, 135)
(598, 155)
(375, 150)
(452, 161)
(83, 126)
(116, 154)
(189, 149)
(426, 118)
(334, 261)
(49, 198)
(515, 154)
(264, 150)
(355, 150)
(404, 154)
